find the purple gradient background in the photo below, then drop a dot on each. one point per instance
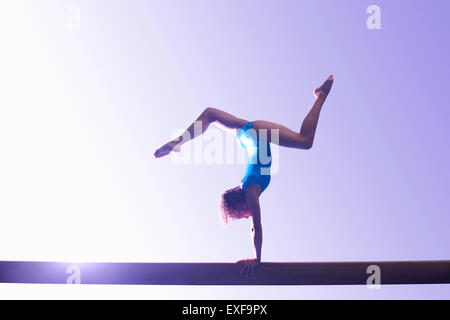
(84, 110)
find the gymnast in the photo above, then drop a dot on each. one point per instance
(243, 201)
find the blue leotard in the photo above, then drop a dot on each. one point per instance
(259, 157)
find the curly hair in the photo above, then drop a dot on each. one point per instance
(232, 200)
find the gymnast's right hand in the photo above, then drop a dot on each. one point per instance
(168, 148)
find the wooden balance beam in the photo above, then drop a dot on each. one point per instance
(268, 273)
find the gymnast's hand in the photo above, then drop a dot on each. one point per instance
(168, 148)
(248, 266)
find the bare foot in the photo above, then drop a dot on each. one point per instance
(167, 148)
(325, 88)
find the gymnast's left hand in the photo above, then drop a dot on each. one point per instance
(248, 266)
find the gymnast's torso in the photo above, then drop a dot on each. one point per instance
(259, 157)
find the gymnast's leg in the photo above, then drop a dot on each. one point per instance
(305, 138)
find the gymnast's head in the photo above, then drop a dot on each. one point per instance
(233, 205)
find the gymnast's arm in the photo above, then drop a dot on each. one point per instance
(199, 126)
(252, 198)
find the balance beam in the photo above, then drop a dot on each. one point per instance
(268, 273)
